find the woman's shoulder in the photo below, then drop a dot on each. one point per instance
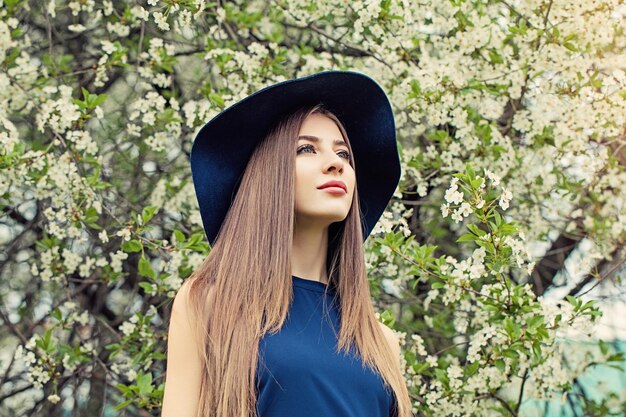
(182, 299)
(184, 305)
(392, 338)
(389, 333)
(184, 359)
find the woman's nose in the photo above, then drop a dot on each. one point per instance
(335, 163)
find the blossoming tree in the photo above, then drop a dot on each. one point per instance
(511, 124)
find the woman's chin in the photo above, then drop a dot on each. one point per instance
(326, 218)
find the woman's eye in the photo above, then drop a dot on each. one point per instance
(304, 147)
(346, 154)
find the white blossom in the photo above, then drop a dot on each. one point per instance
(127, 328)
(54, 398)
(452, 194)
(116, 260)
(161, 21)
(124, 233)
(505, 197)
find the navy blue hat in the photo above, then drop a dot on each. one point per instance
(224, 145)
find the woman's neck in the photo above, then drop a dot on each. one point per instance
(308, 253)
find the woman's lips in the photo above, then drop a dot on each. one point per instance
(334, 190)
(334, 183)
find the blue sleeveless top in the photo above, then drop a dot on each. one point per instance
(299, 372)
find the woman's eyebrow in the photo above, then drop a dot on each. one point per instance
(315, 139)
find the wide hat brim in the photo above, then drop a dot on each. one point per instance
(224, 145)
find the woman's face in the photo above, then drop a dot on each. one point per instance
(317, 162)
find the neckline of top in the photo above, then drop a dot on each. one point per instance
(309, 284)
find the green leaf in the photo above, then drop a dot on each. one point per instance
(570, 46)
(148, 287)
(513, 329)
(56, 313)
(498, 218)
(145, 269)
(472, 368)
(507, 230)
(438, 135)
(99, 99)
(387, 318)
(467, 237)
(573, 301)
(132, 246)
(420, 367)
(193, 239)
(616, 357)
(604, 347)
(45, 342)
(79, 103)
(179, 236)
(147, 213)
(217, 99)
(495, 57)
(416, 88)
(534, 322)
(510, 353)
(123, 405)
(476, 230)
(91, 215)
(588, 305)
(144, 382)
(127, 390)
(469, 171)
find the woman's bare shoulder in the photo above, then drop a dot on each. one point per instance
(184, 363)
(182, 300)
(184, 305)
(392, 338)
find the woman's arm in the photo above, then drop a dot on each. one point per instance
(183, 376)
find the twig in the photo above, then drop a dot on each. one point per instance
(13, 328)
(521, 391)
(140, 47)
(505, 404)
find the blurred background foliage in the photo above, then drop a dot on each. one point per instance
(494, 261)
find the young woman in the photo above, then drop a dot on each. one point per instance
(278, 321)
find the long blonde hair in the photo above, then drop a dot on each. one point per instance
(242, 290)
